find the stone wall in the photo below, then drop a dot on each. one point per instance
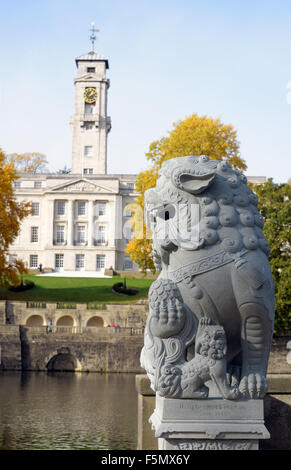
(92, 349)
(10, 348)
(123, 315)
(111, 349)
(2, 312)
(102, 350)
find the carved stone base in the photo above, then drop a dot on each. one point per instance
(210, 424)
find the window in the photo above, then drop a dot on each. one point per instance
(88, 126)
(33, 261)
(89, 108)
(34, 234)
(87, 171)
(130, 185)
(16, 240)
(37, 184)
(61, 207)
(80, 261)
(35, 208)
(102, 208)
(81, 234)
(91, 69)
(128, 264)
(127, 213)
(17, 184)
(12, 259)
(59, 263)
(128, 231)
(88, 151)
(81, 207)
(100, 262)
(60, 233)
(101, 236)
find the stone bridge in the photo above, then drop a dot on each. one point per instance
(71, 336)
(70, 349)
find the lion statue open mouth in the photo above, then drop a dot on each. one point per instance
(212, 256)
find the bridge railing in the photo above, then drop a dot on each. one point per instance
(108, 331)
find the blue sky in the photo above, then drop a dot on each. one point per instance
(167, 58)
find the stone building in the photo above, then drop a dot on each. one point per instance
(80, 220)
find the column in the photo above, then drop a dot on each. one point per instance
(70, 231)
(49, 216)
(90, 222)
(117, 223)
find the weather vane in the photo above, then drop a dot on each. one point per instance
(93, 36)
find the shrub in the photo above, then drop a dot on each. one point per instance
(120, 288)
(22, 287)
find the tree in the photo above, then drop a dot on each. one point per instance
(64, 171)
(198, 136)
(29, 162)
(275, 207)
(140, 250)
(193, 136)
(11, 215)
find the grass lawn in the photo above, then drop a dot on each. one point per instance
(81, 290)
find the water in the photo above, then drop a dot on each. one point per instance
(67, 411)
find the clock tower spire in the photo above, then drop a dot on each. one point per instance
(92, 36)
(90, 123)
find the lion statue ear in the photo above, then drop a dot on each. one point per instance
(191, 182)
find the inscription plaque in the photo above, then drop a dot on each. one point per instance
(208, 444)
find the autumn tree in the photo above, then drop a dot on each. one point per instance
(64, 171)
(198, 136)
(29, 162)
(11, 215)
(275, 207)
(193, 136)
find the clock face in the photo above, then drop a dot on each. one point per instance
(90, 95)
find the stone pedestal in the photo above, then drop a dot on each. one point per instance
(210, 424)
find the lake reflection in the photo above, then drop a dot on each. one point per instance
(58, 410)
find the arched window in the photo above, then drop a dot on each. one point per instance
(95, 321)
(66, 320)
(34, 320)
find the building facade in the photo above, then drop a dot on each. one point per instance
(80, 221)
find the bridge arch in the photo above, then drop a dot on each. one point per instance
(65, 320)
(63, 361)
(34, 320)
(95, 321)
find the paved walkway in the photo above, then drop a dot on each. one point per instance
(75, 274)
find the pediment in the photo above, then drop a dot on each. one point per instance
(81, 186)
(86, 77)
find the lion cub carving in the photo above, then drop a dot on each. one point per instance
(209, 363)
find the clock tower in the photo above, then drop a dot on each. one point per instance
(90, 123)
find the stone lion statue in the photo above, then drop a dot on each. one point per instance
(215, 283)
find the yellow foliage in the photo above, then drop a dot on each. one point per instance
(29, 162)
(193, 136)
(11, 214)
(140, 251)
(198, 136)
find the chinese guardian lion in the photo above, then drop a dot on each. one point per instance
(212, 306)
